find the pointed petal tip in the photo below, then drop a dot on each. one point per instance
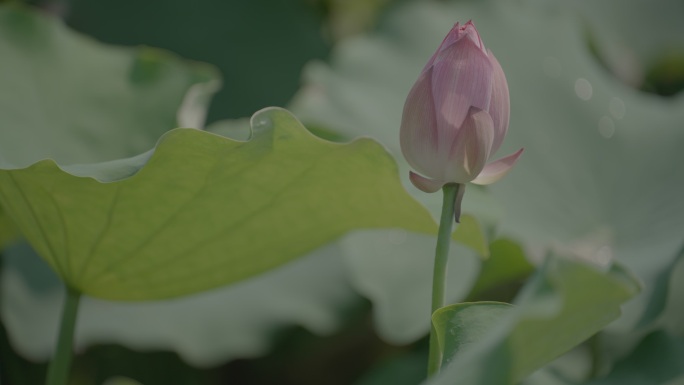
(424, 184)
(497, 169)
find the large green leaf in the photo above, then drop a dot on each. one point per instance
(71, 99)
(8, 232)
(596, 178)
(205, 211)
(564, 304)
(463, 324)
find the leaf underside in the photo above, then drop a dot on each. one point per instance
(205, 211)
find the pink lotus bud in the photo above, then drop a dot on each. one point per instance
(456, 115)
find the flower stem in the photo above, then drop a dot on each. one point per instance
(440, 269)
(58, 371)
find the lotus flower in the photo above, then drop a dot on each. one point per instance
(456, 115)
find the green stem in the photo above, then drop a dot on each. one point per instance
(440, 270)
(58, 371)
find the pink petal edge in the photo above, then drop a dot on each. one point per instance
(471, 148)
(418, 134)
(500, 105)
(497, 169)
(424, 184)
(461, 78)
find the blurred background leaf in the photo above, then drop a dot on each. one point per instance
(562, 305)
(205, 329)
(501, 274)
(393, 269)
(656, 360)
(259, 46)
(121, 381)
(68, 98)
(673, 314)
(650, 61)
